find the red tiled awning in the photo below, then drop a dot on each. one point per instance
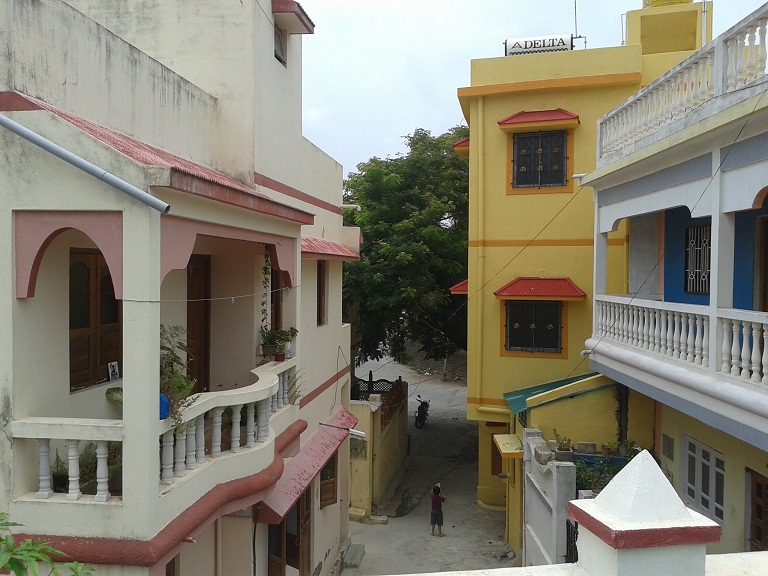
(460, 288)
(302, 468)
(528, 288)
(558, 116)
(186, 175)
(291, 17)
(321, 249)
(461, 148)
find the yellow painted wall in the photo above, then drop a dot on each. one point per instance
(739, 458)
(567, 415)
(361, 459)
(545, 234)
(491, 490)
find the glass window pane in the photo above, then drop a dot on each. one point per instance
(719, 488)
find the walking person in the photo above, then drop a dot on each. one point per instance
(436, 516)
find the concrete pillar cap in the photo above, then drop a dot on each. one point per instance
(640, 508)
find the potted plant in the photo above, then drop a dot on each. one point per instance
(175, 385)
(606, 449)
(273, 340)
(563, 447)
(628, 448)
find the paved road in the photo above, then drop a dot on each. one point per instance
(445, 451)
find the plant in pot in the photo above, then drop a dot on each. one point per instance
(175, 384)
(274, 340)
(563, 447)
(628, 448)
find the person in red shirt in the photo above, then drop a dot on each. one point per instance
(436, 516)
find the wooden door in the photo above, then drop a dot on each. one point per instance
(199, 319)
(276, 545)
(305, 532)
(758, 523)
(761, 265)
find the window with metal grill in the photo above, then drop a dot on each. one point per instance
(539, 159)
(534, 325)
(697, 254)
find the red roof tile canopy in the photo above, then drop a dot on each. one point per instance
(291, 17)
(303, 467)
(556, 117)
(322, 249)
(461, 148)
(460, 288)
(530, 288)
(186, 175)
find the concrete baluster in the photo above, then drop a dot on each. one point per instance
(751, 47)
(765, 354)
(262, 416)
(191, 461)
(740, 64)
(670, 334)
(761, 51)
(216, 432)
(705, 343)
(73, 458)
(236, 417)
(250, 424)
(690, 347)
(284, 386)
(102, 472)
(731, 70)
(44, 487)
(180, 452)
(756, 364)
(725, 349)
(200, 439)
(735, 350)
(656, 330)
(676, 338)
(697, 343)
(166, 459)
(746, 329)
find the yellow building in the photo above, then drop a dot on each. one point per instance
(532, 119)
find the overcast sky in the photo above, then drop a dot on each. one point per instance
(376, 70)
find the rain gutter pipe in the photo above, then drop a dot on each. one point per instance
(84, 165)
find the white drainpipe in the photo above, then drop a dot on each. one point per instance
(84, 165)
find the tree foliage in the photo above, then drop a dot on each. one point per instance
(29, 556)
(414, 223)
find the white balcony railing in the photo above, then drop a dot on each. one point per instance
(682, 333)
(677, 331)
(193, 445)
(731, 62)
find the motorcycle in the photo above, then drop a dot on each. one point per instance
(421, 412)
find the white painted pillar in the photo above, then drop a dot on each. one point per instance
(638, 526)
(141, 358)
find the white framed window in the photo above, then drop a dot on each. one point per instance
(704, 479)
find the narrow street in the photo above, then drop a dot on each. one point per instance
(445, 451)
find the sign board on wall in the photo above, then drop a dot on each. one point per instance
(515, 46)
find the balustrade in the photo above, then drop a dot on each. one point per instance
(734, 60)
(682, 333)
(201, 434)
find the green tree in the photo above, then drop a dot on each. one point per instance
(414, 223)
(28, 556)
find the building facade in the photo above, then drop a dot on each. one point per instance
(532, 119)
(683, 164)
(155, 174)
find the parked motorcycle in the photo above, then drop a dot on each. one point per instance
(421, 412)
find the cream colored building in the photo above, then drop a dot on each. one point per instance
(154, 173)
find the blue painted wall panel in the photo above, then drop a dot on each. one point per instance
(675, 223)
